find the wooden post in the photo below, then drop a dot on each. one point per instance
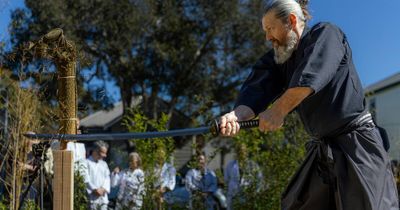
(54, 46)
(63, 182)
(66, 68)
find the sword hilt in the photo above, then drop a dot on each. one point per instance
(215, 127)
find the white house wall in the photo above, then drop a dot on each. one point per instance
(387, 110)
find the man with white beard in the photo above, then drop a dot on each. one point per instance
(310, 70)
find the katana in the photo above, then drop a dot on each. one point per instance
(214, 129)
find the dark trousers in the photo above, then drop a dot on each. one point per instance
(348, 172)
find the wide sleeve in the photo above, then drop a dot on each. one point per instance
(107, 180)
(189, 181)
(262, 86)
(116, 179)
(169, 181)
(322, 57)
(86, 176)
(48, 164)
(121, 185)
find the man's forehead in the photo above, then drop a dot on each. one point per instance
(270, 19)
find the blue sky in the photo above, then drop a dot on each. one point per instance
(371, 27)
(373, 31)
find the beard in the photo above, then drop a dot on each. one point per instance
(283, 52)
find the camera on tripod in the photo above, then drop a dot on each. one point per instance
(39, 149)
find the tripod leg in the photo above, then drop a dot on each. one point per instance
(31, 180)
(41, 185)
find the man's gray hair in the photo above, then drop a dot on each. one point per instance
(283, 8)
(99, 144)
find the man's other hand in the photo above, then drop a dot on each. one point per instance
(270, 120)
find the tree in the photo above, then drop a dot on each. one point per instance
(192, 53)
(24, 113)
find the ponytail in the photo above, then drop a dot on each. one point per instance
(304, 8)
(283, 8)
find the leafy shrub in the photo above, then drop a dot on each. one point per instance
(151, 150)
(278, 154)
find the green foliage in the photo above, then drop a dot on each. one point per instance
(152, 151)
(199, 201)
(278, 154)
(81, 201)
(3, 204)
(30, 205)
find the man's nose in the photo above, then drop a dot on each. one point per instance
(268, 37)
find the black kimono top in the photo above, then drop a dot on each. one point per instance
(323, 62)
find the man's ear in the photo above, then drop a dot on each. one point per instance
(292, 20)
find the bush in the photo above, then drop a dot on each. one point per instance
(81, 200)
(150, 150)
(278, 154)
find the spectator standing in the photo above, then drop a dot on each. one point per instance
(97, 176)
(204, 181)
(241, 174)
(130, 183)
(165, 180)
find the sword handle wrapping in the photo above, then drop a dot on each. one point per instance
(249, 124)
(215, 127)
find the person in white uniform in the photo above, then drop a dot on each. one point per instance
(97, 176)
(166, 180)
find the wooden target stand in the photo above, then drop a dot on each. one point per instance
(63, 182)
(62, 52)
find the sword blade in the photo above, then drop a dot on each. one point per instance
(214, 128)
(121, 136)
